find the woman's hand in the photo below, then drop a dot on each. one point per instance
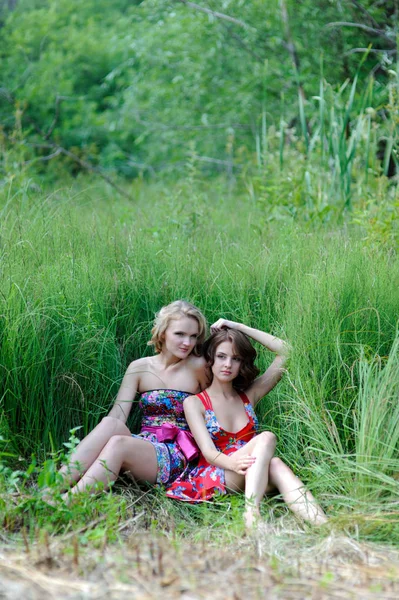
(241, 464)
(223, 324)
(266, 382)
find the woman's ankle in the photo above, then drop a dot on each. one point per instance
(251, 515)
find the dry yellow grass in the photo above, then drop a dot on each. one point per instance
(281, 561)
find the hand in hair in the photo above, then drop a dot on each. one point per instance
(223, 324)
(266, 382)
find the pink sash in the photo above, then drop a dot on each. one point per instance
(171, 433)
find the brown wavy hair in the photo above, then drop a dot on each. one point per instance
(175, 310)
(242, 347)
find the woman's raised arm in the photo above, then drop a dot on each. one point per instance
(269, 379)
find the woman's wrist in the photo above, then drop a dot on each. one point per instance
(238, 326)
(220, 460)
(268, 340)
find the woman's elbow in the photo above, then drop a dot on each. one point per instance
(210, 455)
(285, 353)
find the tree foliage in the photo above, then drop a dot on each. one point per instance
(134, 85)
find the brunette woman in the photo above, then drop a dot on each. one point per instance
(223, 421)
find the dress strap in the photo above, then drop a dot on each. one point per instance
(206, 401)
(244, 398)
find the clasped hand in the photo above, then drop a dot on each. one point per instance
(240, 464)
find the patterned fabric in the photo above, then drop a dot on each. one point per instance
(160, 406)
(203, 481)
(164, 406)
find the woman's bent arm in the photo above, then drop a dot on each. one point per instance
(266, 382)
(126, 393)
(194, 412)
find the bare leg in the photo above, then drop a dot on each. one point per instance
(90, 447)
(257, 476)
(293, 491)
(262, 447)
(121, 452)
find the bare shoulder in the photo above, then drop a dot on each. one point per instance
(202, 371)
(193, 402)
(197, 362)
(138, 365)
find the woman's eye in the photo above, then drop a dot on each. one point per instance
(237, 358)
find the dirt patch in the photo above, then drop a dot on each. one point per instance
(271, 565)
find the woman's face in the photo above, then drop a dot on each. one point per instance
(181, 336)
(227, 363)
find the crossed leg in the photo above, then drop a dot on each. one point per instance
(256, 480)
(294, 493)
(267, 474)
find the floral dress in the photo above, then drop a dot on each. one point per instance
(201, 482)
(165, 426)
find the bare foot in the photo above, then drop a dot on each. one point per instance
(320, 518)
(251, 517)
(49, 498)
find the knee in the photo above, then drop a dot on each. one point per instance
(266, 438)
(278, 467)
(112, 425)
(109, 422)
(116, 447)
(117, 441)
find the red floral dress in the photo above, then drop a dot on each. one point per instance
(202, 482)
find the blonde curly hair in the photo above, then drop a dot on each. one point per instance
(175, 310)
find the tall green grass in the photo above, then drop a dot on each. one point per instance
(329, 151)
(82, 275)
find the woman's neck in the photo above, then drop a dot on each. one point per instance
(221, 389)
(166, 359)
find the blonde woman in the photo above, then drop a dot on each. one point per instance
(164, 447)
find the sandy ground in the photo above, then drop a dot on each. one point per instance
(273, 565)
